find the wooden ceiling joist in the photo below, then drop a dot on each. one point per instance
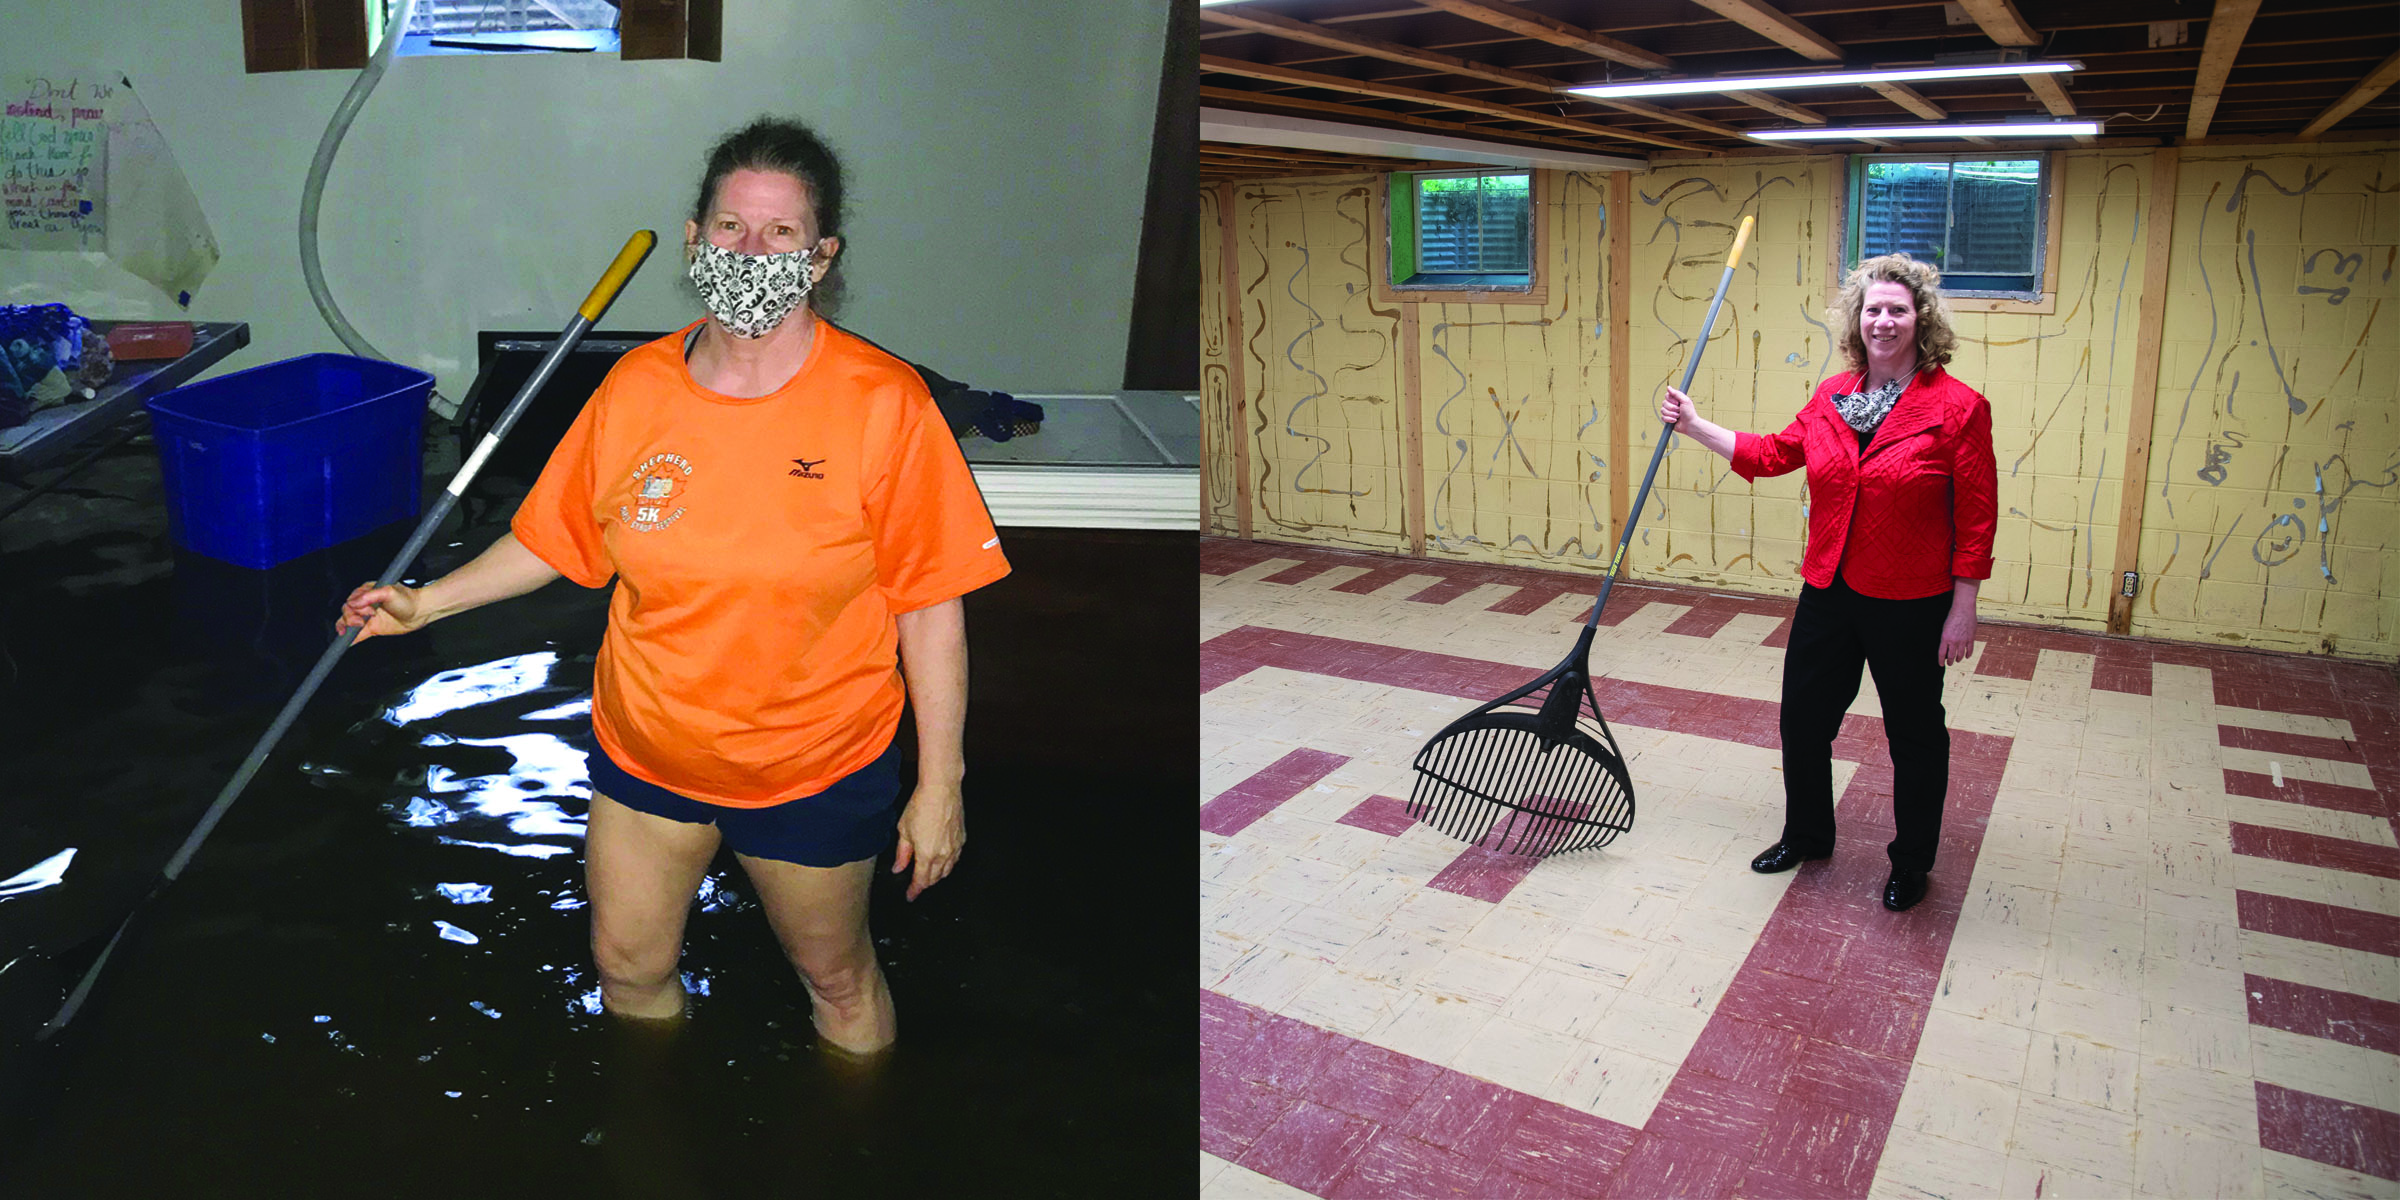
(1767, 103)
(2377, 80)
(1908, 98)
(2046, 89)
(1526, 23)
(2001, 22)
(1392, 91)
(1770, 23)
(1351, 43)
(1358, 112)
(2227, 26)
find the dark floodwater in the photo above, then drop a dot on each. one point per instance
(373, 981)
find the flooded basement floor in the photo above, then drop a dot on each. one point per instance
(373, 979)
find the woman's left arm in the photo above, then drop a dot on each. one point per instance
(1958, 629)
(933, 661)
(1974, 498)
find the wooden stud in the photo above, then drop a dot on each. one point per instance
(1412, 429)
(1391, 91)
(2156, 253)
(1229, 252)
(1767, 22)
(2227, 26)
(1526, 23)
(2383, 76)
(1620, 351)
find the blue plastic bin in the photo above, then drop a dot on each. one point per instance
(265, 465)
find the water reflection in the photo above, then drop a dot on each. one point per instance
(480, 684)
(49, 872)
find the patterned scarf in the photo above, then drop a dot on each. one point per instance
(1864, 410)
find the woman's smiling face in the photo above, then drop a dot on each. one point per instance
(1887, 323)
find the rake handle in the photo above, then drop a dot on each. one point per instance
(1667, 431)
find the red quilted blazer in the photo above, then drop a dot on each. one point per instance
(1910, 513)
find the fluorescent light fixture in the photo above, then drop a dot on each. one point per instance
(2002, 129)
(1758, 83)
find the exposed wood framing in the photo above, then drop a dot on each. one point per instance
(2051, 93)
(1908, 98)
(1620, 348)
(1371, 116)
(2002, 22)
(1351, 43)
(2383, 76)
(1526, 23)
(1767, 103)
(1229, 251)
(1412, 431)
(1410, 56)
(1392, 91)
(1767, 22)
(2227, 26)
(2136, 485)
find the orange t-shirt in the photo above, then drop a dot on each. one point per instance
(761, 548)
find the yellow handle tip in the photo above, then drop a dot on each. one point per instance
(628, 259)
(1739, 240)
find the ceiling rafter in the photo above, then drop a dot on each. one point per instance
(1393, 91)
(1351, 43)
(1527, 23)
(1362, 112)
(2227, 26)
(2382, 77)
(1772, 24)
(1909, 98)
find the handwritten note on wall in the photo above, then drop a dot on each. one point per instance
(53, 165)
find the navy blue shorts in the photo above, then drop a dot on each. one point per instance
(855, 818)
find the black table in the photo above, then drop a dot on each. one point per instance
(56, 432)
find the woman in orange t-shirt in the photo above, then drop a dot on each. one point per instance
(791, 526)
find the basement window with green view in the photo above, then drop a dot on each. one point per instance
(1463, 231)
(1984, 221)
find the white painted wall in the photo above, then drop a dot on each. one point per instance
(998, 154)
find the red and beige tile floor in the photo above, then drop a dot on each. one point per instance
(2158, 958)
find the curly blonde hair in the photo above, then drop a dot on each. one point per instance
(1936, 341)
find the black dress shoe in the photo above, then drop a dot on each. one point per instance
(1781, 857)
(1903, 891)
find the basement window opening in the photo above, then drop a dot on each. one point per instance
(1984, 221)
(1464, 231)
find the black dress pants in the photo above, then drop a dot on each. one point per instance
(1835, 632)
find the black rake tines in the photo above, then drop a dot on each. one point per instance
(1536, 771)
(1533, 773)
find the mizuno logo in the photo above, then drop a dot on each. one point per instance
(806, 468)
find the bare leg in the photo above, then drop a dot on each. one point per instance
(642, 872)
(820, 916)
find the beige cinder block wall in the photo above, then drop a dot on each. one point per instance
(2263, 416)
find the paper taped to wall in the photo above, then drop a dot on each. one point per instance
(84, 169)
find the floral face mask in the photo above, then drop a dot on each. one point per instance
(751, 294)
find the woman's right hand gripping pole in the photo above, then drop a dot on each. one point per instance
(381, 610)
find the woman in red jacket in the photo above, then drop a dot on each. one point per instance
(1901, 491)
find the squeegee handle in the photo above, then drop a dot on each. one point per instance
(629, 258)
(1667, 432)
